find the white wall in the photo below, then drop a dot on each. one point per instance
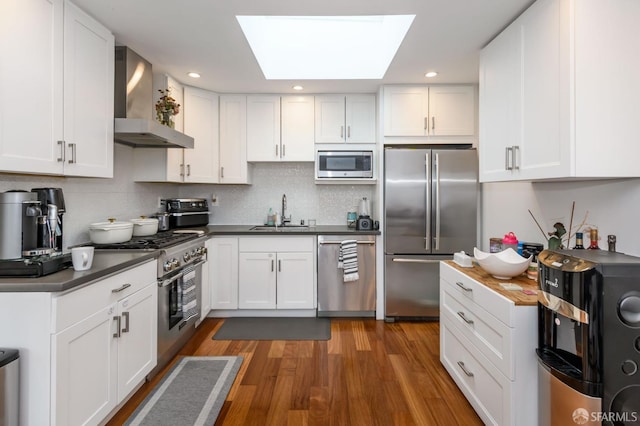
(612, 205)
(249, 204)
(90, 200)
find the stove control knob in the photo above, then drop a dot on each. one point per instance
(186, 257)
(167, 266)
(175, 263)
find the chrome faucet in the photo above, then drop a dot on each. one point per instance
(285, 219)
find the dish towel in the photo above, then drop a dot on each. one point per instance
(189, 300)
(348, 260)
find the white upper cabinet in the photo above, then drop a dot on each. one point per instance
(297, 128)
(201, 122)
(61, 122)
(345, 118)
(429, 110)
(263, 128)
(233, 139)
(552, 106)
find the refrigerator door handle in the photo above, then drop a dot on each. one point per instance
(401, 260)
(436, 167)
(427, 234)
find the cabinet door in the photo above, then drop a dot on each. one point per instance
(257, 281)
(88, 95)
(223, 267)
(361, 118)
(297, 130)
(295, 281)
(263, 128)
(85, 360)
(201, 122)
(31, 84)
(451, 111)
(137, 344)
(233, 139)
(330, 119)
(406, 110)
(499, 104)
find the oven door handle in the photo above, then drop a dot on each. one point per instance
(169, 281)
(199, 263)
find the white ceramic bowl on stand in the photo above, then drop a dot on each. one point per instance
(503, 265)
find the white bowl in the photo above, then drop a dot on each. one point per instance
(503, 265)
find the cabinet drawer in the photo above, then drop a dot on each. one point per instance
(276, 244)
(74, 306)
(489, 335)
(498, 305)
(484, 386)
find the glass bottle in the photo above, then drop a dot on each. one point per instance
(593, 236)
(579, 245)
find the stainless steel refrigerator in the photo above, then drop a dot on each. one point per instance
(430, 212)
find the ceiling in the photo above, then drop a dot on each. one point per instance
(204, 36)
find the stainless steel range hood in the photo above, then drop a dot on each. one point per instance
(134, 109)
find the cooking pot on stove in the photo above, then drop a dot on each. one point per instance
(144, 226)
(163, 221)
(110, 232)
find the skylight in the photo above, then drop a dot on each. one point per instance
(324, 47)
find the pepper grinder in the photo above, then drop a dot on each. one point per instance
(611, 240)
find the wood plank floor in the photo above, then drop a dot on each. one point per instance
(369, 373)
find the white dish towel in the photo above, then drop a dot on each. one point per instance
(189, 300)
(348, 260)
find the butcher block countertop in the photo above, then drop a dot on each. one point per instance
(516, 296)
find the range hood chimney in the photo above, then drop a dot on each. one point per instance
(134, 109)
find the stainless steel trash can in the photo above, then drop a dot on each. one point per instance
(9, 386)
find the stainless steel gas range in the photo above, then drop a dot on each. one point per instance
(179, 276)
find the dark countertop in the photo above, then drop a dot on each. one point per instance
(244, 230)
(105, 263)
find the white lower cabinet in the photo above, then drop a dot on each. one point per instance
(487, 344)
(262, 273)
(83, 352)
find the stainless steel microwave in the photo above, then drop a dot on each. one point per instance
(344, 164)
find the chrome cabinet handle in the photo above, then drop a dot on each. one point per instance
(181, 169)
(276, 150)
(464, 317)
(73, 153)
(433, 123)
(272, 264)
(467, 372)
(222, 172)
(426, 123)
(341, 132)
(279, 265)
(188, 169)
(119, 289)
(516, 153)
(348, 132)
(508, 158)
(283, 150)
(117, 320)
(62, 152)
(462, 286)
(125, 315)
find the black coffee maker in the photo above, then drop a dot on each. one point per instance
(50, 223)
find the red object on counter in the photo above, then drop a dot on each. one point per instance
(510, 240)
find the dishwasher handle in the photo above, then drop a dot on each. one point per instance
(340, 242)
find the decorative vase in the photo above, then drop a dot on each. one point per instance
(166, 119)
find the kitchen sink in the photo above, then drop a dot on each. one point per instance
(279, 228)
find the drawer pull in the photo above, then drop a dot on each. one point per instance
(119, 289)
(117, 319)
(462, 286)
(464, 318)
(125, 315)
(467, 372)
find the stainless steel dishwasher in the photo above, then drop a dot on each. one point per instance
(335, 296)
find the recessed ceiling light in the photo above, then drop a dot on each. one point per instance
(431, 74)
(193, 75)
(297, 87)
(324, 47)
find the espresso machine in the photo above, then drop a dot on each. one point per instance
(29, 238)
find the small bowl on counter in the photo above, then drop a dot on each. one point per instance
(144, 226)
(110, 232)
(503, 265)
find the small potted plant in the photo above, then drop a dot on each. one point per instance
(166, 108)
